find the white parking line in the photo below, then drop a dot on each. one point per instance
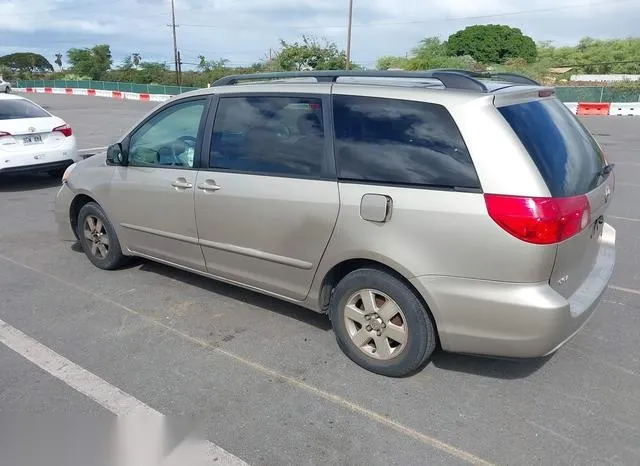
(628, 219)
(114, 400)
(91, 149)
(626, 290)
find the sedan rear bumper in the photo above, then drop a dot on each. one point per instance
(38, 167)
(40, 158)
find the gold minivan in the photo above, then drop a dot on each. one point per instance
(439, 209)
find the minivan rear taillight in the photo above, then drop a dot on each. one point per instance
(540, 220)
(64, 129)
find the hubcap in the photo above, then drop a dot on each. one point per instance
(96, 234)
(376, 324)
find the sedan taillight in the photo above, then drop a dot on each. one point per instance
(64, 129)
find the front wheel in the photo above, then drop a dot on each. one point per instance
(98, 238)
(380, 323)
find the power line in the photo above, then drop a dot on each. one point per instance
(431, 20)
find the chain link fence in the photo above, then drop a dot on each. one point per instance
(564, 93)
(107, 86)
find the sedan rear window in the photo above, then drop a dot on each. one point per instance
(567, 156)
(11, 109)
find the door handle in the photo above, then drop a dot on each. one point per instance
(181, 184)
(209, 185)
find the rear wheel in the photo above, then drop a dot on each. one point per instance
(380, 323)
(7, 90)
(98, 238)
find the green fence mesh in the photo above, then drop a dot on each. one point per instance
(104, 85)
(564, 93)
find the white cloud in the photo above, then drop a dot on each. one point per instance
(244, 30)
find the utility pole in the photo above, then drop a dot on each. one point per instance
(349, 34)
(175, 42)
(179, 69)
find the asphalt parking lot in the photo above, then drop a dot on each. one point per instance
(267, 380)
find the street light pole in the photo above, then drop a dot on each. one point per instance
(348, 65)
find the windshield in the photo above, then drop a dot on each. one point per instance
(564, 151)
(13, 109)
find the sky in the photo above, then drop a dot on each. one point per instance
(243, 31)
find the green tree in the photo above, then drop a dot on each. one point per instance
(206, 66)
(492, 43)
(59, 60)
(93, 62)
(26, 62)
(310, 54)
(153, 73)
(430, 53)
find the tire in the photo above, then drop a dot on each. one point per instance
(100, 244)
(381, 353)
(7, 90)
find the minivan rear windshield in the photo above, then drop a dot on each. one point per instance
(564, 151)
(14, 109)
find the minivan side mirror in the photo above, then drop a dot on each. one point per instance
(115, 155)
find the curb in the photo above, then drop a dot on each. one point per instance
(142, 97)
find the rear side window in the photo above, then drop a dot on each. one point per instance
(564, 151)
(400, 142)
(14, 109)
(279, 136)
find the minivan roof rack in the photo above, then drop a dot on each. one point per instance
(450, 78)
(513, 78)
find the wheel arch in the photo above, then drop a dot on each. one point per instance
(79, 201)
(345, 267)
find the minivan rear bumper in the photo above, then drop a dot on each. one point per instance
(519, 320)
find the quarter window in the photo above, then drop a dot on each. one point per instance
(169, 138)
(399, 142)
(269, 135)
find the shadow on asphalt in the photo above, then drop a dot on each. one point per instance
(249, 297)
(19, 183)
(506, 369)
(495, 368)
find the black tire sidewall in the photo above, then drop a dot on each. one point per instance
(114, 258)
(421, 339)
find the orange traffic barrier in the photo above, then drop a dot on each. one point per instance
(595, 108)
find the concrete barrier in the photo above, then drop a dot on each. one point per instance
(625, 109)
(593, 108)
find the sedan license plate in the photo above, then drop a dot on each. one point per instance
(29, 140)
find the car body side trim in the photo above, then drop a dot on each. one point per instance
(165, 234)
(296, 263)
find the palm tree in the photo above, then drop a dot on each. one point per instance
(59, 60)
(136, 58)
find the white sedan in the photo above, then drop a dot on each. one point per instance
(4, 86)
(32, 139)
